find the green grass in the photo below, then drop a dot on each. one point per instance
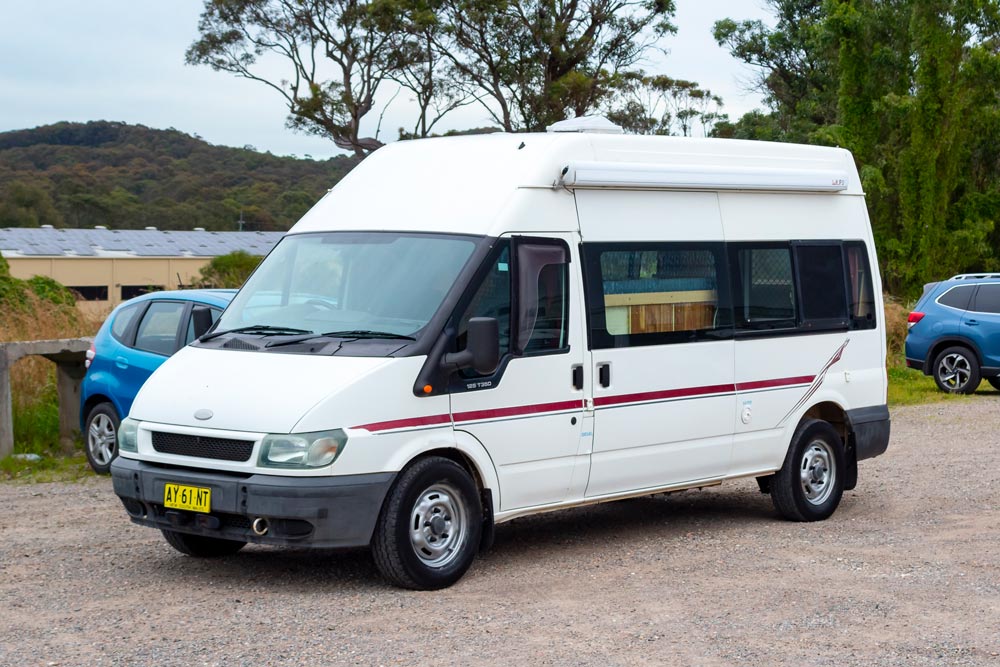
(52, 468)
(911, 387)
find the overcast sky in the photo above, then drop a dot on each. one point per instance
(123, 60)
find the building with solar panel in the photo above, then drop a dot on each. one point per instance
(107, 266)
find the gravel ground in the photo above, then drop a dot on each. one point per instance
(907, 572)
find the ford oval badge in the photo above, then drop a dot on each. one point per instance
(203, 414)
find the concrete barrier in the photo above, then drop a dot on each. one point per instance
(69, 355)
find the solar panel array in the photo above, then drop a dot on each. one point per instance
(140, 243)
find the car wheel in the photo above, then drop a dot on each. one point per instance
(200, 546)
(430, 525)
(995, 381)
(102, 437)
(811, 482)
(956, 371)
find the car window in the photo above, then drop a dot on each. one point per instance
(124, 317)
(988, 299)
(158, 329)
(957, 297)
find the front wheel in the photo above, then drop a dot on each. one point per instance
(201, 546)
(956, 371)
(102, 437)
(811, 482)
(430, 525)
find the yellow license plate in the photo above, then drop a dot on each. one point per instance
(193, 498)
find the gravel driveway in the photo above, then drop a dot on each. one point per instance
(907, 572)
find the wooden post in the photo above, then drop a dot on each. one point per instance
(6, 406)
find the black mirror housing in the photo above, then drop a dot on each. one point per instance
(201, 318)
(482, 351)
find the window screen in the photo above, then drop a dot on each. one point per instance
(958, 297)
(157, 331)
(821, 284)
(646, 294)
(764, 291)
(861, 299)
(988, 299)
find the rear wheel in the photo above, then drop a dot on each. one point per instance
(429, 529)
(811, 482)
(956, 370)
(201, 546)
(102, 437)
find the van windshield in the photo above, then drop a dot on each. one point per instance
(363, 283)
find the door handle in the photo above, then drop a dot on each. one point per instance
(578, 378)
(972, 323)
(121, 362)
(604, 374)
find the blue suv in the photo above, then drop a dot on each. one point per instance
(136, 338)
(955, 332)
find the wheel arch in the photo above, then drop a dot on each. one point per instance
(948, 341)
(836, 416)
(93, 401)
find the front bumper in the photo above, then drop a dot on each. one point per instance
(329, 512)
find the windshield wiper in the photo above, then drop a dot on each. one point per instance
(264, 329)
(366, 333)
(356, 334)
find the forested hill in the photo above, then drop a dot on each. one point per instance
(130, 176)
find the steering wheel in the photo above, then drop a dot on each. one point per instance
(320, 303)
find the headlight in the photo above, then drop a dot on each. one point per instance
(302, 450)
(128, 435)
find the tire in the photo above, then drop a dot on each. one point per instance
(101, 438)
(811, 482)
(200, 546)
(956, 370)
(439, 498)
(995, 381)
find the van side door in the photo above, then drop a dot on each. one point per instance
(528, 414)
(661, 339)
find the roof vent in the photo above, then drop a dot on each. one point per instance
(587, 124)
(199, 229)
(47, 227)
(150, 229)
(100, 227)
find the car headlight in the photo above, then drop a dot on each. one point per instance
(302, 450)
(128, 435)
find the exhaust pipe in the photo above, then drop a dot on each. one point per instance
(259, 526)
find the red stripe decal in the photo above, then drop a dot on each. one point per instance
(432, 420)
(780, 382)
(516, 411)
(664, 394)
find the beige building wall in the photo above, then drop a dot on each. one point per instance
(114, 273)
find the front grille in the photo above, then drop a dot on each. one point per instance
(225, 449)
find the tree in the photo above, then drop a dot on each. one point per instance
(662, 105)
(338, 53)
(531, 63)
(230, 270)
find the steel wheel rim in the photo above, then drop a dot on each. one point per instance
(954, 371)
(818, 472)
(438, 525)
(101, 439)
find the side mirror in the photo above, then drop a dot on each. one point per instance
(201, 318)
(482, 351)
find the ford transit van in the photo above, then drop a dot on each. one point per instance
(468, 330)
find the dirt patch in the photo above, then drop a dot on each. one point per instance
(907, 572)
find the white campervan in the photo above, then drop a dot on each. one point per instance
(469, 330)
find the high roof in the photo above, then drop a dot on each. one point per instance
(48, 242)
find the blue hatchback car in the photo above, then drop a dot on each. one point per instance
(955, 332)
(136, 338)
